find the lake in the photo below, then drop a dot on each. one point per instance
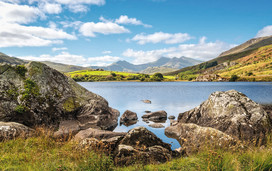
(173, 97)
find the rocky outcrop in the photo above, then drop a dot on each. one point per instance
(231, 113)
(11, 130)
(128, 116)
(156, 116)
(36, 94)
(209, 77)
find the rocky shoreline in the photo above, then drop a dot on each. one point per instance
(36, 95)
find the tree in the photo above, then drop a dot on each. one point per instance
(157, 77)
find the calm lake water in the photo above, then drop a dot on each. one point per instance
(173, 97)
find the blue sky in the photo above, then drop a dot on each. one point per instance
(100, 32)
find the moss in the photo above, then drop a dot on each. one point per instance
(12, 93)
(70, 104)
(31, 89)
(20, 109)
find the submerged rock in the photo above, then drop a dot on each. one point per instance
(156, 116)
(172, 117)
(156, 125)
(11, 130)
(146, 101)
(37, 95)
(128, 116)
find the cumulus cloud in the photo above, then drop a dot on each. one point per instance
(266, 31)
(161, 37)
(13, 34)
(90, 29)
(51, 8)
(202, 50)
(71, 59)
(124, 19)
(19, 13)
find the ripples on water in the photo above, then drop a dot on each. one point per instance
(173, 97)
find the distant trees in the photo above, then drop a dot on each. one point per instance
(157, 77)
(233, 78)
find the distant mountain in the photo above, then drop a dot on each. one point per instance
(64, 67)
(60, 67)
(249, 61)
(163, 65)
(10, 60)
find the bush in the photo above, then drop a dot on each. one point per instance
(157, 77)
(21, 70)
(233, 78)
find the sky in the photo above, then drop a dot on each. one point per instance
(100, 32)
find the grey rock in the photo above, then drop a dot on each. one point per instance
(44, 96)
(156, 116)
(172, 117)
(193, 137)
(98, 134)
(147, 111)
(11, 130)
(67, 129)
(232, 113)
(128, 116)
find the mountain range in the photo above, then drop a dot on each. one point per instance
(163, 65)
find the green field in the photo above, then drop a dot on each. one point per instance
(90, 75)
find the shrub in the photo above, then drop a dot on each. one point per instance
(21, 70)
(233, 78)
(157, 77)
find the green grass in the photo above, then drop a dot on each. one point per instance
(89, 75)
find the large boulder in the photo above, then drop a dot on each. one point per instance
(193, 137)
(36, 94)
(142, 146)
(233, 113)
(128, 116)
(11, 130)
(156, 116)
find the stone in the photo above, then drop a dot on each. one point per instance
(156, 125)
(42, 96)
(67, 129)
(146, 101)
(140, 136)
(129, 123)
(233, 113)
(11, 130)
(156, 116)
(193, 137)
(97, 134)
(147, 111)
(172, 117)
(128, 116)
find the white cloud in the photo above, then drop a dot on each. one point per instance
(160, 37)
(106, 52)
(19, 13)
(73, 24)
(89, 29)
(266, 31)
(12, 34)
(78, 8)
(90, 2)
(59, 49)
(51, 8)
(123, 19)
(71, 59)
(202, 50)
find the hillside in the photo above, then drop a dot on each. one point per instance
(63, 67)
(10, 60)
(248, 50)
(162, 63)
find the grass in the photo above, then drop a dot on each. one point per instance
(42, 152)
(89, 75)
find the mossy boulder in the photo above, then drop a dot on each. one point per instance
(44, 96)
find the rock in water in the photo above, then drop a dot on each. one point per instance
(156, 125)
(128, 116)
(232, 113)
(39, 95)
(156, 116)
(11, 130)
